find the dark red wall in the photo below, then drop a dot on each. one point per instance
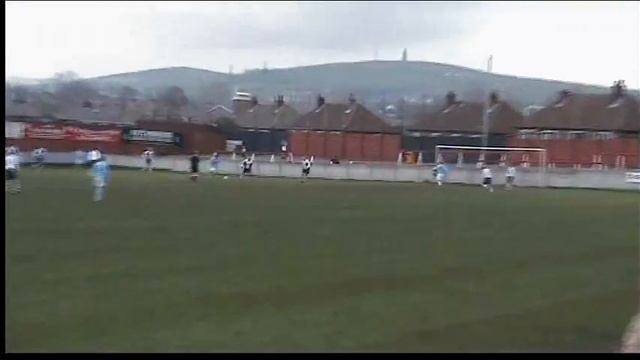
(347, 146)
(334, 145)
(567, 153)
(196, 137)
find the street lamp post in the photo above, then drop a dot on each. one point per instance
(485, 112)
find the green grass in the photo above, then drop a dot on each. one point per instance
(167, 265)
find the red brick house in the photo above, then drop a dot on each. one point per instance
(460, 123)
(347, 131)
(586, 130)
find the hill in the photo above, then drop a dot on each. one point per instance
(370, 81)
(195, 82)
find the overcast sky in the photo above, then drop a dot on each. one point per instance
(588, 42)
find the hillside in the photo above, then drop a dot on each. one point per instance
(371, 81)
(193, 81)
(393, 79)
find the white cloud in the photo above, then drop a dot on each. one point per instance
(590, 42)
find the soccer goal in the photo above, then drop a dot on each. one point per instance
(531, 163)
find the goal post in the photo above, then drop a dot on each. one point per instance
(530, 161)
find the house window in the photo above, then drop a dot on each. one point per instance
(526, 134)
(549, 135)
(604, 135)
(572, 135)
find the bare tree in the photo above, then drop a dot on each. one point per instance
(19, 94)
(174, 100)
(127, 93)
(75, 91)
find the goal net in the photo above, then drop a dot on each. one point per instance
(530, 163)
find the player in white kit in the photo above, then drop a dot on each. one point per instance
(306, 168)
(93, 155)
(38, 156)
(511, 177)
(148, 159)
(487, 178)
(246, 166)
(11, 169)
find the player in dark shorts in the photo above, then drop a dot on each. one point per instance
(306, 167)
(246, 165)
(486, 178)
(195, 162)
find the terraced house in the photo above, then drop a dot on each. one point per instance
(586, 130)
(263, 127)
(461, 123)
(345, 131)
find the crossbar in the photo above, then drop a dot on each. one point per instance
(488, 148)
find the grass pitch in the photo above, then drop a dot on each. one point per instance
(167, 265)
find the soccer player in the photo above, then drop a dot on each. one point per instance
(38, 156)
(213, 163)
(35, 155)
(441, 172)
(511, 177)
(13, 149)
(101, 177)
(148, 159)
(246, 165)
(306, 168)
(11, 168)
(195, 163)
(94, 155)
(486, 178)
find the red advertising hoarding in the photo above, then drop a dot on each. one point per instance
(73, 133)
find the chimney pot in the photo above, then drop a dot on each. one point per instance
(493, 98)
(451, 98)
(617, 90)
(320, 100)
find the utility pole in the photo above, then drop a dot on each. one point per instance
(485, 110)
